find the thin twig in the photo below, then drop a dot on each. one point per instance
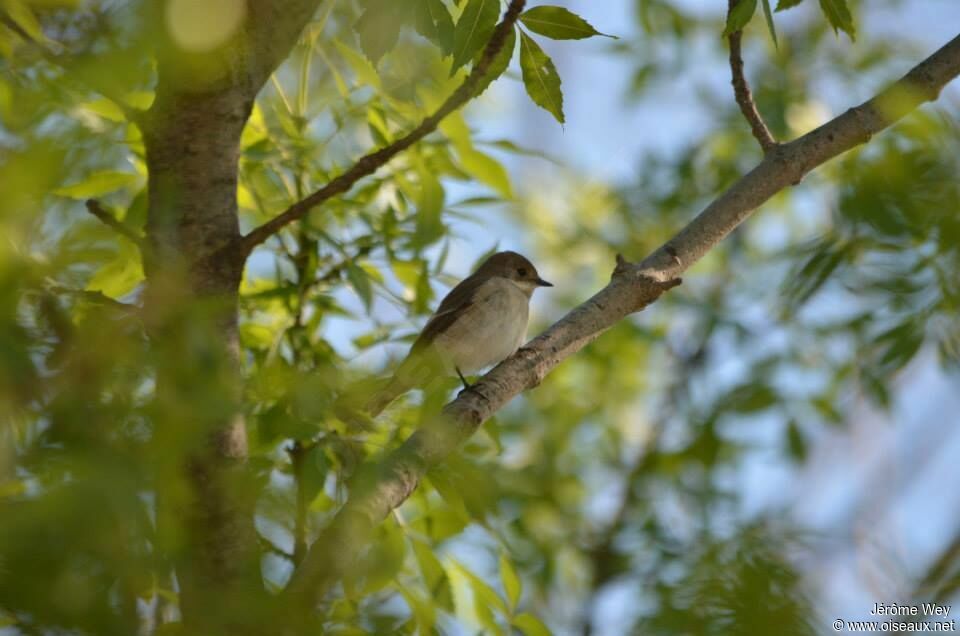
(97, 210)
(369, 163)
(741, 90)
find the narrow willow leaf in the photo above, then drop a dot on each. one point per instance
(361, 284)
(21, 14)
(361, 66)
(769, 16)
(558, 23)
(540, 77)
(473, 30)
(500, 63)
(739, 16)
(787, 4)
(487, 170)
(838, 14)
(530, 625)
(511, 581)
(98, 184)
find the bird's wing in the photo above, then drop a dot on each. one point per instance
(451, 308)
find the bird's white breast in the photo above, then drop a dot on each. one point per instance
(489, 330)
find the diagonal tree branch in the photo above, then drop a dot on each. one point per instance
(369, 163)
(741, 91)
(632, 287)
(97, 210)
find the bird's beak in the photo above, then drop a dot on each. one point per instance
(542, 283)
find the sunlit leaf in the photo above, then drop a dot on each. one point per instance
(487, 170)
(530, 625)
(540, 77)
(433, 22)
(360, 281)
(558, 23)
(511, 581)
(121, 274)
(98, 184)
(473, 30)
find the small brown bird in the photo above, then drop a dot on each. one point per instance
(482, 321)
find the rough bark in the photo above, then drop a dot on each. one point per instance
(632, 287)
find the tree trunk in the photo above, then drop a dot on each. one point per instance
(192, 143)
(194, 265)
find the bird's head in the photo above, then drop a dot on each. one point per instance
(514, 267)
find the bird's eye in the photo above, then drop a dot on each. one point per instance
(522, 271)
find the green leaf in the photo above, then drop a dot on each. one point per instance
(361, 284)
(796, 443)
(558, 23)
(430, 200)
(473, 30)
(434, 577)
(483, 594)
(530, 625)
(423, 611)
(121, 274)
(22, 15)
(486, 169)
(378, 28)
(98, 184)
(787, 4)
(500, 63)
(838, 14)
(769, 16)
(739, 16)
(540, 77)
(750, 398)
(433, 21)
(511, 581)
(360, 65)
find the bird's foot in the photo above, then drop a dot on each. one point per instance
(466, 385)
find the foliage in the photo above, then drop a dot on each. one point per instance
(508, 535)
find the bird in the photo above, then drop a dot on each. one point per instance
(482, 321)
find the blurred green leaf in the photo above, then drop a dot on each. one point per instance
(499, 63)
(838, 14)
(360, 280)
(511, 581)
(487, 170)
(750, 398)
(98, 184)
(770, 26)
(121, 274)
